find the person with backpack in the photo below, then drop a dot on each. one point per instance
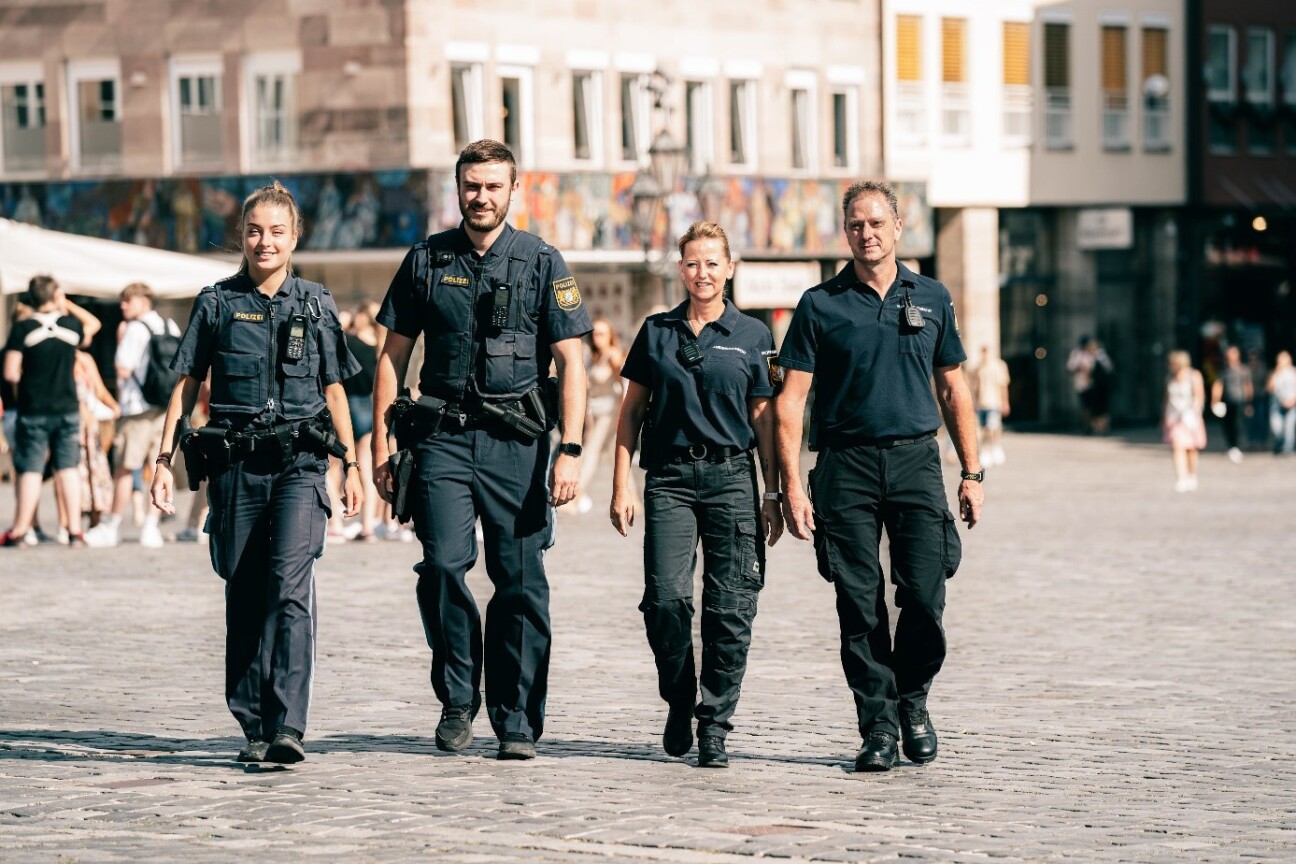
(146, 344)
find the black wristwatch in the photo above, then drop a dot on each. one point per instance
(978, 476)
(567, 448)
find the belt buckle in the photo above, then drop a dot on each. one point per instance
(696, 456)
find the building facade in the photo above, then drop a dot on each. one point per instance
(361, 109)
(1049, 138)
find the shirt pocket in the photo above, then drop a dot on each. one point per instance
(301, 388)
(505, 355)
(445, 360)
(237, 381)
(922, 341)
(725, 372)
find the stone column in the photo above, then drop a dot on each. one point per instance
(967, 262)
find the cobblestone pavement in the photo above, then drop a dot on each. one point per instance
(1120, 687)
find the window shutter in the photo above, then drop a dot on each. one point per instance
(1114, 79)
(953, 50)
(908, 48)
(1154, 52)
(1016, 53)
(1057, 55)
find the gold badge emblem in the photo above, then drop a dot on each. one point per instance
(567, 294)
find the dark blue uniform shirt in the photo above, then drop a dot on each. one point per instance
(872, 377)
(242, 337)
(450, 303)
(706, 404)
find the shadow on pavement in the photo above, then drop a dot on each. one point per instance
(52, 745)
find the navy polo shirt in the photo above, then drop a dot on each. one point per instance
(707, 404)
(872, 378)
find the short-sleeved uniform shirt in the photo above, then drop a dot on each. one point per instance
(508, 362)
(706, 403)
(233, 333)
(48, 344)
(872, 376)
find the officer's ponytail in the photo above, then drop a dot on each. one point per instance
(274, 195)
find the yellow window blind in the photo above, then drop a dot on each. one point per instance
(1114, 79)
(953, 50)
(908, 48)
(1016, 53)
(1154, 52)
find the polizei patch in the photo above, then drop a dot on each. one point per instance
(567, 294)
(249, 316)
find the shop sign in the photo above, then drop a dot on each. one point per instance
(773, 284)
(1106, 228)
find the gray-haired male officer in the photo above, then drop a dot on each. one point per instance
(872, 337)
(493, 305)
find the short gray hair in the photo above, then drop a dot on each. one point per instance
(871, 187)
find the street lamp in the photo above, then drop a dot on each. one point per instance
(711, 191)
(651, 187)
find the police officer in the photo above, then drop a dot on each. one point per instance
(494, 305)
(277, 357)
(872, 337)
(699, 374)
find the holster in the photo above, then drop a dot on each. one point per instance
(402, 471)
(206, 452)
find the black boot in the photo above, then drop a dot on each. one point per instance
(918, 735)
(878, 752)
(711, 752)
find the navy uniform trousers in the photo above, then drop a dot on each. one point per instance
(719, 502)
(463, 474)
(267, 523)
(858, 491)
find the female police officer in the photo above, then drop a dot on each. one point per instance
(277, 356)
(698, 373)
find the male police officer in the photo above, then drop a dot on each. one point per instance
(873, 336)
(493, 304)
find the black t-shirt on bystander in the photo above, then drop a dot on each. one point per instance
(361, 383)
(48, 344)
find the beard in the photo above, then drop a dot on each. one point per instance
(485, 221)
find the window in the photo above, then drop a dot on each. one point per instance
(1016, 81)
(197, 116)
(22, 120)
(270, 100)
(911, 109)
(802, 117)
(1057, 85)
(698, 136)
(1221, 89)
(1115, 89)
(635, 113)
(1156, 89)
(517, 127)
(95, 116)
(587, 113)
(1288, 76)
(742, 123)
(955, 106)
(845, 105)
(1258, 75)
(466, 103)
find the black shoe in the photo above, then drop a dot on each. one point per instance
(878, 752)
(918, 735)
(253, 751)
(286, 748)
(711, 752)
(454, 732)
(516, 745)
(678, 737)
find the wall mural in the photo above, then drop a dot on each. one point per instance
(392, 209)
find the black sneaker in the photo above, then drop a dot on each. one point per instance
(454, 732)
(253, 751)
(286, 748)
(516, 745)
(711, 752)
(677, 739)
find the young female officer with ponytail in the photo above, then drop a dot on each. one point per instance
(277, 357)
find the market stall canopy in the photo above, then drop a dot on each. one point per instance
(90, 266)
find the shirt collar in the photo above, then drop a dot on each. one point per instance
(497, 248)
(287, 289)
(904, 276)
(726, 322)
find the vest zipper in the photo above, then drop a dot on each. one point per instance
(270, 377)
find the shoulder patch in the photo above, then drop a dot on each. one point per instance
(567, 294)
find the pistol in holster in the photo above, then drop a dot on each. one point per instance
(319, 434)
(402, 473)
(206, 451)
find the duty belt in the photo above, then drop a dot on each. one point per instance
(881, 443)
(703, 453)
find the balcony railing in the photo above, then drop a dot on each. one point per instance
(24, 148)
(1017, 112)
(956, 113)
(101, 145)
(200, 137)
(911, 113)
(1058, 119)
(1156, 127)
(1115, 121)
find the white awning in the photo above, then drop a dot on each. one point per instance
(101, 268)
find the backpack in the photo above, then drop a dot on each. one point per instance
(159, 378)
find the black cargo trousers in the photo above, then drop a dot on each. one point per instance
(857, 491)
(720, 502)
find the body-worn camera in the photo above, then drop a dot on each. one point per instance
(296, 347)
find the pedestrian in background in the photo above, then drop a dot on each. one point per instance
(698, 374)
(1183, 426)
(39, 360)
(494, 306)
(363, 343)
(1282, 403)
(606, 358)
(1258, 420)
(277, 358)
(989, 380)
(1091, 378)
(871, 339)
(1231, 400)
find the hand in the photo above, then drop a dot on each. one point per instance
(163, 488)
(352, 492)
(564, 481)
(799, 513)
(622, 511)
(970, 497)
(383, 479)
(771, 521)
